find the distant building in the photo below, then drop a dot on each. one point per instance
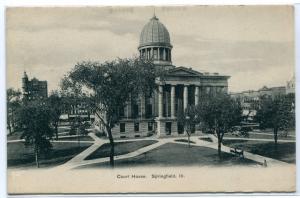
(34, 89)
(79, 109)
(250, 99)
(290, 86)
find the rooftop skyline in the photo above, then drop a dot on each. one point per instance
(254, 45)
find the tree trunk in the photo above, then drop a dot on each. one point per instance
(275, 137)
(112, 147)
(56, 131)
(219, 148)
(189, 140)
(12, 123)
(37, 157)
(78, 137)
(9, 128)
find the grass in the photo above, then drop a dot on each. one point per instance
(285, 151)
(14, 136)
(260, 136)
(82, 138)
(100, 135)
(184, 140)
(19, 155)
(172, 154)
(120, 148)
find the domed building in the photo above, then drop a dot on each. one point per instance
(156, 115)
(155, 43)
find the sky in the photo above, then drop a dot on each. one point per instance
(252, 44)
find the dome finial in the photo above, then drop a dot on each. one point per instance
(154, 16)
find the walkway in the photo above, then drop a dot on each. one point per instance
(256, 139)
(79, 161)
(258, 158)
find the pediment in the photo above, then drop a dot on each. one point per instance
(183, 71)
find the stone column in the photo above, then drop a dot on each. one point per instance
(158, 53)
(185, 97)
(196, 95)
(164, 54)
(160, 101)
(173, 101)
(151, 53)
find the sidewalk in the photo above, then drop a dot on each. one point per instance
(258, 158)
(79, 161)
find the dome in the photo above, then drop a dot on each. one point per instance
(154, 33)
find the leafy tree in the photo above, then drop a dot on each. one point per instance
(35, 123)
(56, 105)
(188, 120)
(219, 113)
(276, 113)
(111, 84)
(13, 99)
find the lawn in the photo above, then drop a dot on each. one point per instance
(260, 136)
(18, 155)
(172, 154)
(285, 151)
(14, 136)
(120, 148)
(75, 138)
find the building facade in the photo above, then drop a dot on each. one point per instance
(290, 86)
(250, 99)
(156, 114)
(34, 89)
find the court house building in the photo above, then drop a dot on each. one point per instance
(156, 114)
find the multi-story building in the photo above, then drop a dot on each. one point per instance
(250, 99)
(290, 86)
(157, 113)
(34, 89)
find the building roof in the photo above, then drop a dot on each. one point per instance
(154, 33)
(184, 71)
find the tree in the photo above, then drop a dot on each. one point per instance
(188, 120)
(276, 113)
(13, 100)
(36, 130)
(112, 84)
(219, 113)
(56, 105)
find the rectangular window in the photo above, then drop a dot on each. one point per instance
(122, 127)
(136, 127)
(149, 111)
(180, 128)
(150, 126)
(135, 111)
(168, 128)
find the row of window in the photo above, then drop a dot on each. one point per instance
(180, 127)
(135, 111)
(136, 127)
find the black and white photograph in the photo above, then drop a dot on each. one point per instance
(150, 99)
